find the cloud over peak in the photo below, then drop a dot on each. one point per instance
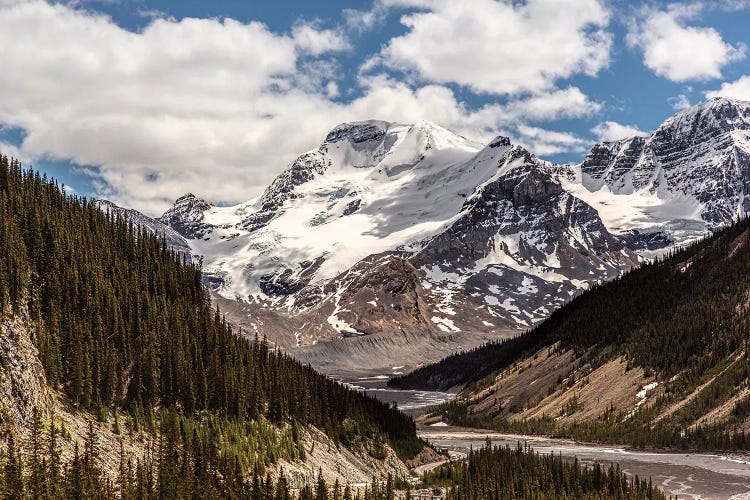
(678, 51)
(221, 106)
(502, 47)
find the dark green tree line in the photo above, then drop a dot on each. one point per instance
(122, 323)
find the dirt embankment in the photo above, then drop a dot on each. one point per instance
(336, 463)
(380, 352)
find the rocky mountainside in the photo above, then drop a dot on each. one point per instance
(691, 175)
(388, 227)
(658, 358)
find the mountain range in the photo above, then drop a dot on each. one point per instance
(657, 358)
(410, 240)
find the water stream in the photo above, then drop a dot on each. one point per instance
(682, 475)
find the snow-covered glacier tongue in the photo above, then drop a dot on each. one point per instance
(403, 242)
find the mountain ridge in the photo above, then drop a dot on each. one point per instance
(656, 358)
(503, 236)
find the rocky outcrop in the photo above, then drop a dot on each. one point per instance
(379, 294)
(354, 466)
(23, 384)
(282, 188)
(186, 217)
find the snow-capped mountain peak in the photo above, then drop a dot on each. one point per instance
(186, 215)
(387, 226)
(688, 177)
(456, 222)
(716, 113)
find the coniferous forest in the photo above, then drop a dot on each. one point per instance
(487, 474)
(122, 324)
(505, 472)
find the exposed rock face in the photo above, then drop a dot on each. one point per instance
(702, 152)
(610, 161)
(186, 217)
(287, 281)
(282, 187)
(519, 238)
(23, 384)
(357, 132)
(337, 463)
(379, 294)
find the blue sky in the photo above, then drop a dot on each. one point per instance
(140, 101)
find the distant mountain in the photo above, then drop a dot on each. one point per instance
(391, 228)
(657, 358)
(388, 227)
(690, 176)
(174, 239)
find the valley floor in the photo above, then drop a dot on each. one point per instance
(680, 474)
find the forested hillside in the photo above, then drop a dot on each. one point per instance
(122, 324)
(678, 327)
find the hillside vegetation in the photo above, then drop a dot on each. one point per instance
(123, 325)
(678, 327)
(504, 472)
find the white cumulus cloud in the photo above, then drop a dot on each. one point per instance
(503, 47)
(213, 106)
(612, 131)
(679, 102)
(677, 51)
(738, 89)
(547, 142)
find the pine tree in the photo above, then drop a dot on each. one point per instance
(12, 471)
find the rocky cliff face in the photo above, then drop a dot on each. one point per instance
(23, 385)
(186, 216)
(700, 155)
(521, 247)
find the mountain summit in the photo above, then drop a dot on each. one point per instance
(690, 176)
(389, 228)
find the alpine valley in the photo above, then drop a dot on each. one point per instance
(394, 245)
